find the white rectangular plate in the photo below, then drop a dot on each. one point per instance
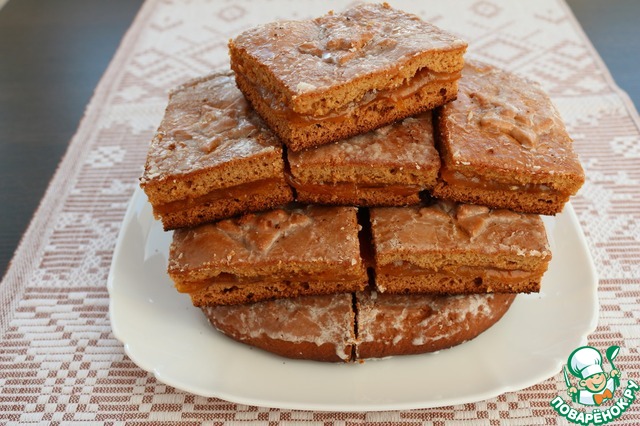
(163, 333)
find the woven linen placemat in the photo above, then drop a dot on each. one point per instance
(59, 361)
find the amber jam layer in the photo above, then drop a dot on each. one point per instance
(352, 189)
(226, 279)
(459, 179)
(508, 276)
(245, 190)
(423, 79)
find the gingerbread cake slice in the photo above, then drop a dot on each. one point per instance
(318, 328)
(212, 157)
(406, 324)
(342, 74)
(504, 145)
(449, 248)
(389, 166)
(275, 254)
(347, 327)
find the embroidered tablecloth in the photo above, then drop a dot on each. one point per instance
(60, 362)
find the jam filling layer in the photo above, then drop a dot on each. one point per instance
(455, 178)
(423, 79)
(352, 190)
(243, 191)
(507, 276)
(229, 280)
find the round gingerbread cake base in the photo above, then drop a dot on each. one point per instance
(398, 324)
(348, 327)
(320, 328)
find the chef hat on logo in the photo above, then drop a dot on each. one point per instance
(585, 362)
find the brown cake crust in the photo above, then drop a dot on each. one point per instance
(389, 166)
(212, 157)
(224, 203)
(391, 324)
(504, 145)
(449, 248)
(358, 195)
(234, 293)
(339, 75)
(279, 253)
(319, 328)
(334, 328)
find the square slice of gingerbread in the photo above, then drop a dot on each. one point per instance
(276, 254)
(389, 166)
(449, 248)
(212, 157)
(342, 74)
(503, 144)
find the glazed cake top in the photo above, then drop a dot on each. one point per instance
(426, 317)
(321, 320)
(207, 123)
(445, 230)
(502, 125)
(332, 50)
(408, 144)
(310, 239)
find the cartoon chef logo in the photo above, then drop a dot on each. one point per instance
(595, 386)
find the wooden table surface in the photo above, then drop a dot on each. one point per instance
(53, 53)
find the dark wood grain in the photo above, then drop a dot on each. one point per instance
(53, 53)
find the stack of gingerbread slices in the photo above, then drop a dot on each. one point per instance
(352, 189)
